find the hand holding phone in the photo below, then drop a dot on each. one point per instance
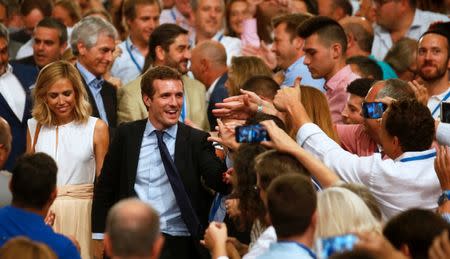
(331, 245)
(445, 112)
(373, 110)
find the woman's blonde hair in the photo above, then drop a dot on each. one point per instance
(242, 68)
(341, 212)
(24, 248)
(48, 76)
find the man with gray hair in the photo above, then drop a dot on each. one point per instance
(15, 102)
(93, 42)
(132, 230)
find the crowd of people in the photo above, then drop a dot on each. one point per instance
(130, 129)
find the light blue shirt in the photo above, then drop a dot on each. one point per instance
(95, 86)
(129, 64)
(287, 250)
(300, 69)
(382, 41)
(152, 184)
(388, 71)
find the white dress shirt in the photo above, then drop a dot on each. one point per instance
(434, 103)
(397, 185)
(232, 45)
(13, 92)
(443, 134)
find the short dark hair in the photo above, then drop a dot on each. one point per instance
(411, 122)
(33, 180)
(442, 29)
(292, 21)
(291, 201)
(328, 30)
(345, 5)
(360, 86)
(367, 66)
(415, 228)
(164, 35)
(44, 6)
(52, 23)
(155, 73)
(129, 7)
(262, 85)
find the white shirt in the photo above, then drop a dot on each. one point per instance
(443, 134)
(382, 41)
(262, 244)
(211, 90)
(434, 103)
(232, 45)
(397, 185)
(13, 92)
(124, 66)
(174, 16)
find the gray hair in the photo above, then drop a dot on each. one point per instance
(133, 227)
(4, 32)
(87, 31)
(396, 89)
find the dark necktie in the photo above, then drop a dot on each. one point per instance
(186, 209)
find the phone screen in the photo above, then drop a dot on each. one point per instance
(373, 110)
(331, 245)
(251, 134)
(445, 112)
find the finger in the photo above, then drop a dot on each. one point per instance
(297, 82)
(214, 139)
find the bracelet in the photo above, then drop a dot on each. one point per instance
(260, 108)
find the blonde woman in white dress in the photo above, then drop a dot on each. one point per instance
(63, 128)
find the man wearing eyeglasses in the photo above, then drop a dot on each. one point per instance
(397, 19)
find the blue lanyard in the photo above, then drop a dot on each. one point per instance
(173, 16)
(415, 158)
(311, 253)
(183, 109)
(439, 104)
(219, 39)
(132, 57)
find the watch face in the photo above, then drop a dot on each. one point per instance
(445, 196)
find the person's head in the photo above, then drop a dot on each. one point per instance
(208, 62)
(413, 231)
(365, 67)
(241, 69)
(93, 42)
(5, 141)
(364, 193)
(389, 14)
(59, 95)
(4, 56)
(335, 9)
(393, 88)
(304, 6)
(366, 11)
(25, 248)
(358, 90)
(402, 58)
(413, 116)
(184, 7)
(132, 230)
(169, 46)
(68, 12)
(287, 46)
(33, 11)
(292, 203)
(4, 17)
(341, 212)
(33, 183)
(162, 93)
(141, 17)
(49, 41)
(209, 16)
(264, 86)
(325, 46)
(359, 35)
(236, 12)
(433, 60)
(98, 12)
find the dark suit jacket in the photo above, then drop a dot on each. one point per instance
(26, 71)
(18, 127)
(194, 158)
(219, 93)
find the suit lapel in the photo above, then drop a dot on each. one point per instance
(181, 150)
(4, 103)
(133, 150)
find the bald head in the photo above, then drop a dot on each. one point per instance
(212, 51)
(132, 229)
(209, 61)
(360, 30)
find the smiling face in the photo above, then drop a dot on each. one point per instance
(144, 23)
(97, 58)
(46, 46)
(285, 47)
(61, 100)
(352, 111)
(209, 17)
(433, 57)
(238, 13)
(179, 54)
(164, 107)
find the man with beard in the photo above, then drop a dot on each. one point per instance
(433, 64)
(168, 46)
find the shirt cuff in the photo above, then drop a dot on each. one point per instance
(98, 236)
(305, 131)
(222, 257)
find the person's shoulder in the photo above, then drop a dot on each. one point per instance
(132, 125)
(132, 86)
(63, 246)
(191, 132)
(429, 16)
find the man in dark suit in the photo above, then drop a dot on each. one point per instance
(93, 42)
(138, 164)
(15, 103)
(209, 66)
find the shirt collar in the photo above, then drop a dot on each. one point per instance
(128, 42)
(416, 20)
(9, 69)
(89, 77)
(171, 131)
(211, 88)
(335, 81)
(416, 154)
(296, 63)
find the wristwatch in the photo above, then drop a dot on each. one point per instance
(445, 196)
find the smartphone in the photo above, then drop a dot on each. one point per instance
(373, 110)
(331, 245)
(445, 112)
(251, 134)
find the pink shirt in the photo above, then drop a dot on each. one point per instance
(336, 92)
(355, 139)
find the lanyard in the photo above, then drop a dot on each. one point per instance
(311, 253)
(183, 110)
(219, 39)
(439, 104)
(415, 158)
(173, 16)
(132, 57)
